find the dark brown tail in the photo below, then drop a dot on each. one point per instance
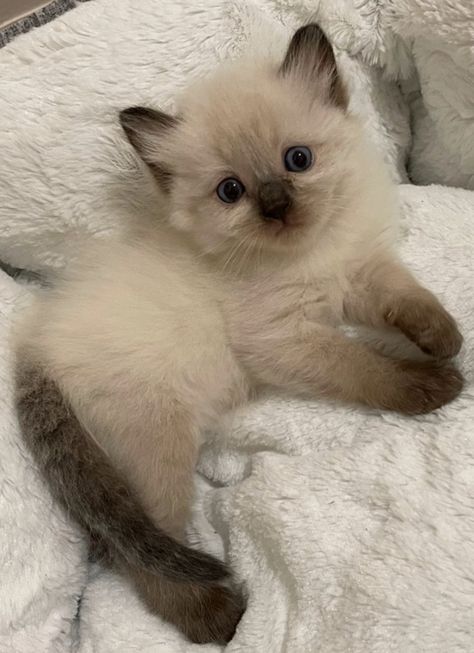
(181, 584)
(82, 478)
(204, 612)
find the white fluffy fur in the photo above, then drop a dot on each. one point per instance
(43, 556)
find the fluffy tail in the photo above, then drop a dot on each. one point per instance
(82, 478)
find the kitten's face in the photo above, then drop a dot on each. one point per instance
(261, 158)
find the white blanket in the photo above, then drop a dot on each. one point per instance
(352, 531)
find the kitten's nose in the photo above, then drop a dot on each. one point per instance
(274, 200)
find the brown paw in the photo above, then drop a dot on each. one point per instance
(213, 615)
(421, 387)
(428, 325)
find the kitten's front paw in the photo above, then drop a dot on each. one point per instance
(429, 326)
(422, 387)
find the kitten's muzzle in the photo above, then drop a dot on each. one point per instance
(274, 201)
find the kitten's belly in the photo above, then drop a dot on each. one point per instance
(141, 324)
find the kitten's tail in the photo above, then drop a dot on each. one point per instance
(82, 478)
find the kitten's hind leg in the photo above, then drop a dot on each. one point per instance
(207, 611)
(158, 461)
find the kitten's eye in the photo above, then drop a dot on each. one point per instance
(230, 190)
(298, 158)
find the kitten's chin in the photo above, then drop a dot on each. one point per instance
(257, 242)
(295, 235)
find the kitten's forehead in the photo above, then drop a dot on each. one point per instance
(244, 116)
(249, 126)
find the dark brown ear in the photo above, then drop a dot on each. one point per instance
(144, 129)
(310, 56)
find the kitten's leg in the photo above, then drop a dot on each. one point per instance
(384, 293)
(326, 362)
(159, 462)
(153, 441)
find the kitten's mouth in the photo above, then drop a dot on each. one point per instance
(285, 226)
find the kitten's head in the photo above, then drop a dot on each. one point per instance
(260, 156)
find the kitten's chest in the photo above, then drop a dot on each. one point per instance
(320, 302)
(290, 304)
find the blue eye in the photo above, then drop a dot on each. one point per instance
(230, 190)
(298, 158)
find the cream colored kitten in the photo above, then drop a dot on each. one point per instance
(279, 229)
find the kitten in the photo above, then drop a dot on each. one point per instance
(278, 229)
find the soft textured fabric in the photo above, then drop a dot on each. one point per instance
(427, 46)
(42, 555)
(442, 38)
(35, 19)
(352, 530)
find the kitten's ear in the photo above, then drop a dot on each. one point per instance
(310, 57)
(144, 129)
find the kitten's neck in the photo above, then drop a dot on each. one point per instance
(330, 249)
(252, 264)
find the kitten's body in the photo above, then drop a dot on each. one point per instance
(152, 341)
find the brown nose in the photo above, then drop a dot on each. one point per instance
(274, 200)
